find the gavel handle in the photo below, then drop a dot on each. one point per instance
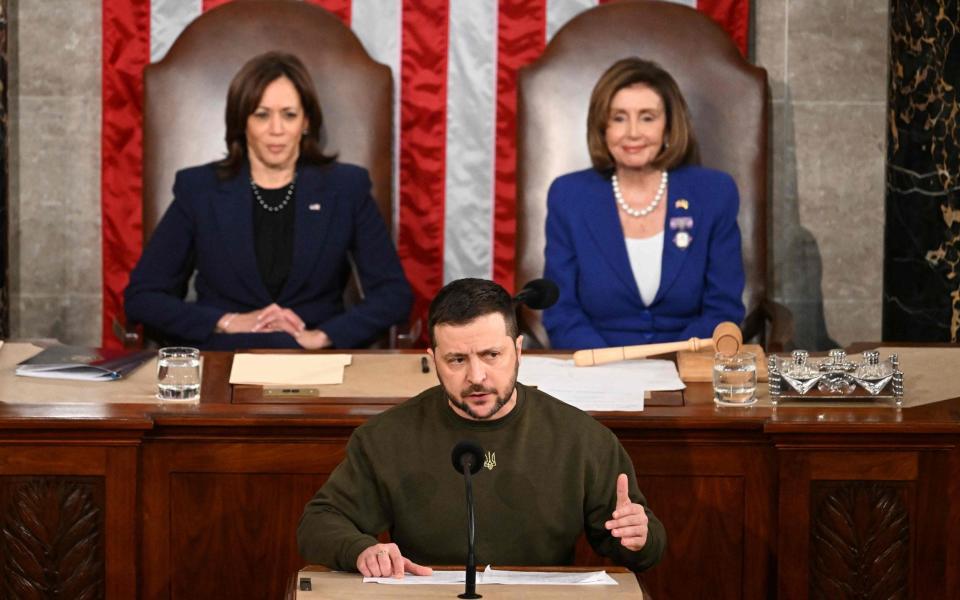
(601, 356)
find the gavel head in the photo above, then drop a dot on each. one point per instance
(727, 338)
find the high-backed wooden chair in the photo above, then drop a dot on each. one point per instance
(729, 104)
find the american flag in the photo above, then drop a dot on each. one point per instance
(454, 66)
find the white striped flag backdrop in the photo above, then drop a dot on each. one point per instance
(454, 66)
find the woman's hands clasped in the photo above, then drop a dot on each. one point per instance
(274, 318)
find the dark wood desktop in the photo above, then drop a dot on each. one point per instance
(202, 501)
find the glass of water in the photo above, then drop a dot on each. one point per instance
(735, 379)
(178, 374)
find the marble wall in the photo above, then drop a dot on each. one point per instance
(922, 263)
(55, 169)
(827, 65)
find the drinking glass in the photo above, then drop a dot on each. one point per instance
(178, 374)
(735, 379)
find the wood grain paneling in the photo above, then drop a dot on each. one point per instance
(218, 521)
(716, 502)
(209, 507)
(695, 509)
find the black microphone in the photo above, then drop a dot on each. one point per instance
(467, 454)
(538, 294)
(467, 458)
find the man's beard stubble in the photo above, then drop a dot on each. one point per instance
(499, 404)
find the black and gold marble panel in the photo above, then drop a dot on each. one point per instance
(921, 287)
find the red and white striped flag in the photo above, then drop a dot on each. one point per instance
(454, 63)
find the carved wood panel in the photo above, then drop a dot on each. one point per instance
(859, 540)
(52, 538)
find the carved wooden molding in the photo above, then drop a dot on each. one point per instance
(859, 540)
(51, 538)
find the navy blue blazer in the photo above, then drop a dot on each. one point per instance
(209, 229)
(701, 284)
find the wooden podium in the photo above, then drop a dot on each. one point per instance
(329, 585)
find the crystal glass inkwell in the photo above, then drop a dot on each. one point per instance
(835, 377)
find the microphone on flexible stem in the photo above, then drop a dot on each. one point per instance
(538, 294)
(467, 457)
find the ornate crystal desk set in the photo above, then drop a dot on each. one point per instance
(798, 377)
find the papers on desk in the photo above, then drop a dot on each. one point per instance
(490, 576)
(289, 369)
(82, 363)
(616, 386)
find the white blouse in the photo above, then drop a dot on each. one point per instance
(646, 256)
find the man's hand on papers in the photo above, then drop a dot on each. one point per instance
(385, 560)
(629, 521)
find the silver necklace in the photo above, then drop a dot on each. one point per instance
(282, 205)
(641, 212)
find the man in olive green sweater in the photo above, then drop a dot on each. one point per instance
(550, 472)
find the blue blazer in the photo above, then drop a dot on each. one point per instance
(209, 229)
(701, 284)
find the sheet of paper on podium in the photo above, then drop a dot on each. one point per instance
(611, 387)
(289, 369)
(491, 576)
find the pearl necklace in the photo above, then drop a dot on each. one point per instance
(642, 212)
(282, 205)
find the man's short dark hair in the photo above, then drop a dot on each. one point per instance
(463, 300)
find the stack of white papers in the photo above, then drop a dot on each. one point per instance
(495, 576)
(289, 369)
(616, 386)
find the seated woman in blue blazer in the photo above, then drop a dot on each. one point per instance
(645, 245)
(269, 231)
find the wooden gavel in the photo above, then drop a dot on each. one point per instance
(726, 339)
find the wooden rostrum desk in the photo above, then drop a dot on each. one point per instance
(133, 499)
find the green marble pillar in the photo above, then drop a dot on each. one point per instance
(921, 275)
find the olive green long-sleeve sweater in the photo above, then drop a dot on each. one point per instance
(550, 473)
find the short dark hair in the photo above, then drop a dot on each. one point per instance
(244, 96)
(681, 147)
(461, 301)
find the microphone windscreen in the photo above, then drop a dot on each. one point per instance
(467, 453)
(539, 294)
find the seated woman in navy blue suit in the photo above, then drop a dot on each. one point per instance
(645, 245)
(269, 231)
